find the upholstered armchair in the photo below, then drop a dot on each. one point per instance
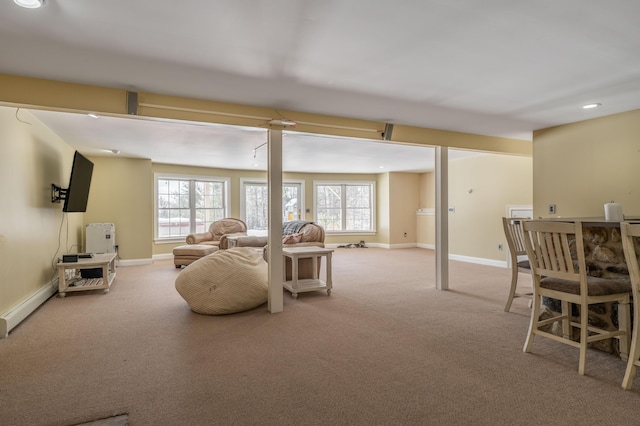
(217, 230)
(303, 234)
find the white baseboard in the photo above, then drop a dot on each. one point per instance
(135, 262)
(468, 259)
(478, 260)
(426, 246)
(163, 256)
(19, 312)
(402, 246)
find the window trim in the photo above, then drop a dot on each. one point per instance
(374, 204)
(158, 176)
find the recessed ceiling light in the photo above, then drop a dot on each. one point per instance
(92, 115)
(115, 151)
(30, 4)
(284, 123)
(381, 167)
(589, 106)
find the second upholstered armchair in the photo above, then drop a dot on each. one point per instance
(217, 230)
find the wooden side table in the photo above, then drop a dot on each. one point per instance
(297, 285)
(106, 262)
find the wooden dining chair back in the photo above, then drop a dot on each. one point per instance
(631, 238)
(515, 243)
(556, 252)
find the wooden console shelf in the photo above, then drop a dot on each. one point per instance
(104, 261)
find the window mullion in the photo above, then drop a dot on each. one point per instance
(343, 207)
(192, 206)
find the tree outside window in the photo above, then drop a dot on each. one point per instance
(342, 207)
(186, 206)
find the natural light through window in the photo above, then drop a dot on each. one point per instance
(255, 203)
(345, 207)
(186, 205)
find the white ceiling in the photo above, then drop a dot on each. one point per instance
(495, 67)
(233, 147)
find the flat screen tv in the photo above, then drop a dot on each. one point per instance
(79, 183)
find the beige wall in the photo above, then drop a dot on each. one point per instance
(122, 194)
(475, 227)
(581, 166)
(495, 181)
(404, 201)
(31, 159)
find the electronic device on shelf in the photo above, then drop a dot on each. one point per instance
(68, 258)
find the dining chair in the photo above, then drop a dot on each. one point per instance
(556, 253)
(630, 233)
(515, 243)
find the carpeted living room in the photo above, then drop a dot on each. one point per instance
(404, 146)
(385, 348)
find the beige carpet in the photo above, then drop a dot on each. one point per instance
(385, 348)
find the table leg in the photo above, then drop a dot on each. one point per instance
(62, 284)
(329, 281)
(294, 272)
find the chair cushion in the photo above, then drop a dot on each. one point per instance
(595, 286)
(524, 264)
(225, 282)
(194, 250)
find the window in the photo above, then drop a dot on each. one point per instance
(345, 206)
(255, 203)
(188, 204)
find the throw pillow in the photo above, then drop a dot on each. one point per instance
(292, 239)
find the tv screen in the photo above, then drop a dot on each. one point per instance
(79, 183)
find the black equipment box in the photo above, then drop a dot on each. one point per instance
(91, 273)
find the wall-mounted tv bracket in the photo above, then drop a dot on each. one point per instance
(58, 194)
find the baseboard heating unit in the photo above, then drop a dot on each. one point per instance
(19, 312)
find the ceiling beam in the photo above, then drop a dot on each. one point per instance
(54, 95)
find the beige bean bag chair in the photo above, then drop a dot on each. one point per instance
(225, 282)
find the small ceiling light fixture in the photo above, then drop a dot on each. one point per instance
(115, 151)
(30, 4)
(93, 115)
(589, 106)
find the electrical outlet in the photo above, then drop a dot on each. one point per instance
(552, 209)
(499, 247)
(405, 235)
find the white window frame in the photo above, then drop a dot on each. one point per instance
(261, 181)
(158, 176)
(371, 184)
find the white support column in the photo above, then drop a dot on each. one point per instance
(442, 218)
(274, 184)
